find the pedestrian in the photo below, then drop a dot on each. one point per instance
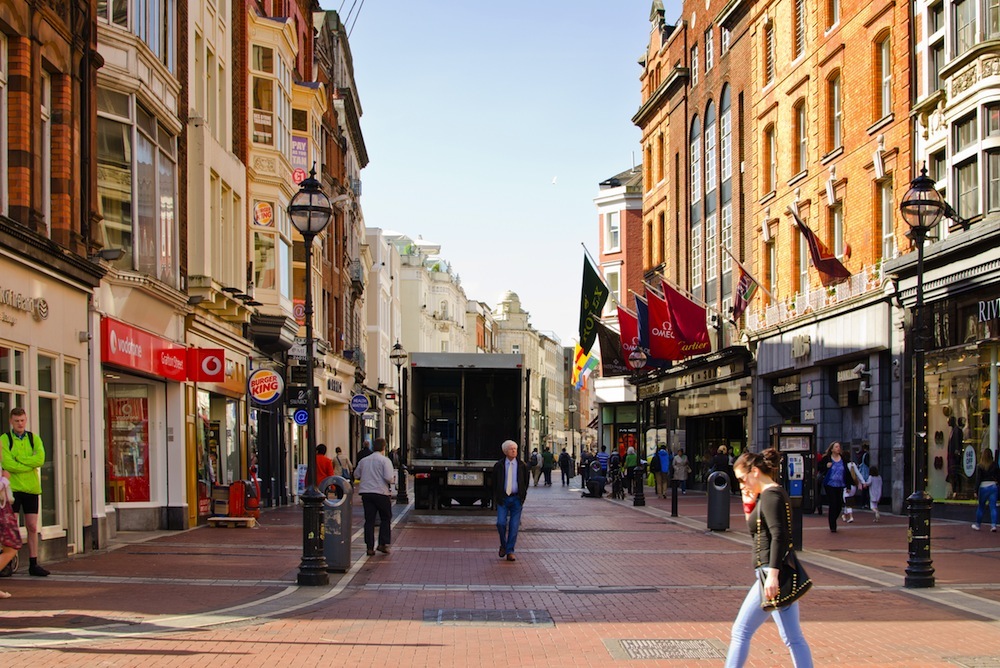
(10, 533)
(631, 461)
(510, 488)
(324, 465)
(548, 463)
(851, 493)
(720, 462)
(660, 464)
(987, 479)
(874, 484)
(820, 489)
(682, 469)
(365, 451)
(23, 456)
(376, 474)
(343, 463)
(835, 480)
(602, 458)
(864, 471)
(769, 520)
(536, 466)
(565, 466)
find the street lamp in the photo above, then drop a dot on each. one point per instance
(398, 357)
(572, 429)
(921, 208)
(310, 211)
(637, 360)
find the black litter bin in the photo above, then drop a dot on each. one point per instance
(337, 521)
(718, 501)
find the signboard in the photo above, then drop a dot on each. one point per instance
(298, 375)
(298, 349)
(298, 396)
(206, 365)
(300, 158)
(265, 386)
(301, 417)
(135, 349)
(359, 403)
(299, 310)
(969, 461)
(263, 214)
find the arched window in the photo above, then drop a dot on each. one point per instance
(711, 206)
(726, 191)
(711, 173)
(696, 204)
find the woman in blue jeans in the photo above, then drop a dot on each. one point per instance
(768, 514)
(987, 479)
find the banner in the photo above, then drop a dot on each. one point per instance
(830, 269)
(642, 317)
(579, 359)
(595, 294)
(689, 321)
(745, 289)
(613, 362)
(663, 342)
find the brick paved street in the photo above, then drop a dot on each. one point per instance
(596, 574)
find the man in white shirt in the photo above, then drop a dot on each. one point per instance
(510, 488)
(376, 475)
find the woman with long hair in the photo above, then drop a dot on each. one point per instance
(769, 519)
(836, 477)
(10, 534)
(987, 479)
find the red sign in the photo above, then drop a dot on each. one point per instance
(206, 365)
(299, 175)
(133, 348)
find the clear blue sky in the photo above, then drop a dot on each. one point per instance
(472, 108)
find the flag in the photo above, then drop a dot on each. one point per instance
(595, 294)
(689, 322)
(830, 269)
(579, 359)
(613, 362)
(590, 365)
(663, 342)
(746, 288)
(642, 317)
(629, 326)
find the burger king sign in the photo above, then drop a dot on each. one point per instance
(265, 386)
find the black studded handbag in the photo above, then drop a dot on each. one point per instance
(793, 581)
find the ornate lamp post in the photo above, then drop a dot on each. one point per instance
(921, 208)
(399, 357)
(637, 360)
(572, 428)
(310, 211)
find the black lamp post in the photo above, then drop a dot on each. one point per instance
(399, 357)
(572, 429)
(921, 208)
(637, 360)
(310, 211)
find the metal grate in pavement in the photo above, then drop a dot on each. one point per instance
(974, 661)
(657, 648)
(459, 616)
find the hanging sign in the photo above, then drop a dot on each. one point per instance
(359, 403)
(265, 386)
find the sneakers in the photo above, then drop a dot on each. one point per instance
(37, 571)
(975, 527)
(877, 517)
(993, 528)
(370, 552)
(384, 549)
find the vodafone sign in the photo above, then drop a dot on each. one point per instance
(132, 348)
(206, 365)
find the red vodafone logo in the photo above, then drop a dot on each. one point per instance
(206, 365)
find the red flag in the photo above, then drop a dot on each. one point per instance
(830, 269)
(689, 322)
(629, 326)
(663, 342)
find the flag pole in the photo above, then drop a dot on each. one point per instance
(747, 272)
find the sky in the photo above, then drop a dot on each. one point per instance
(488, 127)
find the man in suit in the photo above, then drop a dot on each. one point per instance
(510, 488)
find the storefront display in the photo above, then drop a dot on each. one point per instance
(128, 443)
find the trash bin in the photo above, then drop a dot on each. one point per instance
(718, 501)
(337, 523)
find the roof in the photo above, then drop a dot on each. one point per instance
(629, 177)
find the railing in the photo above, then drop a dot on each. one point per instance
(869, 279)
(355, 355)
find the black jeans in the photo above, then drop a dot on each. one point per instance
(835, 503)
(381, 505)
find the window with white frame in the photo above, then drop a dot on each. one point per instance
(770, 167)
(711, 173)
(695, 161)
(800, 27)
(964, 12)
(612, 231)
(883, 52)
(696, 255)
(724, 38)
(993, 180)
(967, 182)
(613, 277)
(727, 236)
(726, 135)
(992, 18)
(836, 112)
(801, 138)
(153, 21)
(935, 63)
(803, 286)
(886, 211)
(771, 275)
(832, 13)
(3, 125)
(768, 53)
(694, 65)
(837, 228)
(46, 137)
(935, 18)
(711, 251)
(710, 48)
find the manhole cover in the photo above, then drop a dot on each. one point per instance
(668, 649)
(975, 661)
(454, 616)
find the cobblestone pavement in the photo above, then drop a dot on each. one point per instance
(597, 583)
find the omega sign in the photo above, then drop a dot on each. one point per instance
(36, 306)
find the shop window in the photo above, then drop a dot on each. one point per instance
(46, 378)
(11, 368)
(127, 409)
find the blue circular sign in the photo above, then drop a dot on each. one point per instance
(359, 403)
(301, 416)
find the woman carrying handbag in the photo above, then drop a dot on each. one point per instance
(10, 534)
(781, 580)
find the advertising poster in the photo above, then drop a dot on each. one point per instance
(128, 449)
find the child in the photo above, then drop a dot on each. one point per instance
(874, 490)
(849, 491)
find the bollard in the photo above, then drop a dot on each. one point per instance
(674, 484)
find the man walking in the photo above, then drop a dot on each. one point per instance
(565, 466)
(510, 488)
(548, 463)
(376, 474)
(23, 456)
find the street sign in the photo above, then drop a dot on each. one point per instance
(301, 416)
(298, 349)
(298, 396)
(298, 375)
(359, 403)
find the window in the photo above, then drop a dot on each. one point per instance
(935, 58)
(153, 21)
(993, 180)
(771, 271)
(967, 180)
(695, 160)
(726, 136)
(800, 27)
(832, 13)
(935, 17)
(648, 167)
(694, 65)
(770, 167)
(113, 11)
(883, 62)
(613, 277)
(711, 173)
(938, 166)
(710, 48)
(837, 229)
(965, 26)
(516, 349)
(711, 251)
(727, 236)
(768, 53)
(263, 110)
(612, 231)
(724, 37)
(801, 138)
(46, 162)
(835, 108)
(696, 256)
(965, 133)
(803, 263)
(696, 206)
(992, 8)
(3, 125)
(885, 217)
(992, 121)
(659, 163)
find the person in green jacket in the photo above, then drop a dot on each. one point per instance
(23, 456)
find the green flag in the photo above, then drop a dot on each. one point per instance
(595, 294)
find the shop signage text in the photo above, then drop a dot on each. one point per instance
(36, 306)
(133, 348)
(989, 309)
(265, 386)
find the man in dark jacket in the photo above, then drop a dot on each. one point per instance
(510, 488)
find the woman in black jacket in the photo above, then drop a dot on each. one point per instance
(836, 476)
(769, 519)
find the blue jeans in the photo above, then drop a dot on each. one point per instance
(508, 522)
(749, 620)
(987, 497)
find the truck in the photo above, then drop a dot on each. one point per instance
(461, 408)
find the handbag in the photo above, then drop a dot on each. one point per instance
(793, 581)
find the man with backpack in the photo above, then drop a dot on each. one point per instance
(535, 464)
(660, 465)
(22, 457)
